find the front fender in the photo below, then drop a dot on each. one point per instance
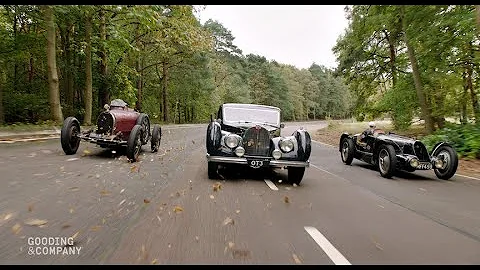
(214, 136)
(304, 144)
(437, 145)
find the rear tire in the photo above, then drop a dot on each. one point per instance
(451, 159)
(134, 143)
(156, 138)
(347, 151)
(295, 174)
(68, 135)
(387, 160)
(212, 170)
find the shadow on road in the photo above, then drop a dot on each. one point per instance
(404, 175)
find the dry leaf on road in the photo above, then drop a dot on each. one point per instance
(228, 221)
(36, 222)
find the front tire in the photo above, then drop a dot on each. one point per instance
(156, 138)
(450, 158)
(387, 160)
(295, 174)
(347, 151)
(69, 135)
(144, 121)
(134, 143)
(212, 170)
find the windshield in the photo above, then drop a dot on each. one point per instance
(251, 115)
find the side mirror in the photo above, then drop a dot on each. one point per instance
(282, 125)
(106, 107)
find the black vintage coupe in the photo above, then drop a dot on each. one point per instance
(249, 134)
(390, 152)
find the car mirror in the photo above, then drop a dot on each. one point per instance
(282, 125)
(106, 107)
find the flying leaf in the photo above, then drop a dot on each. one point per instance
(36, 222)
(16, 228)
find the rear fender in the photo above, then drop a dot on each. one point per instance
(304, 144)
(214, 136)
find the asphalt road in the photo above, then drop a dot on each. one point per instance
(164, 209)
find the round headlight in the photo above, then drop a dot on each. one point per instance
(414, 162)
(276, 154)
(232, 141)
(286, 145)
(439, 163)
(239, 151)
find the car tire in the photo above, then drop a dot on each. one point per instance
(386, 160)
(134, 143)
(156, 138)
(295, 174)
(451, 164)
(68, 135)
(347, 150)
(144, 121)
(212, 170)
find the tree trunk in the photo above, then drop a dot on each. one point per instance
(426, 110)
(104, 92)
(2, 114)
(54, 94)
(88, 71)
(164, 91)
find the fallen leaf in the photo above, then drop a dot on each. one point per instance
(16, 228)
(95, 228)
(198, 197)
(7, 216)
(296, 259)
(66, 226)
(217, 186)
(36, 222)
(177, 194)
(86, 152)
(228, 221)
(134, 168)
(231, 244)
(72, 159)
(104, 192)
(146, 201)
(30, 207)
(122, 202)
(212, 197)
(154, 261)
(286, 199)
(280, 181)
(74, 188)
(197, 238)
(177, 209)
(237, 211)
(121, 191)
(193, 142)
(75, 235)
(295, 185)
(71, 210)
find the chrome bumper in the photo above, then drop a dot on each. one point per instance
(272, 163)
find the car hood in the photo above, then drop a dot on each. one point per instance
(400, 140)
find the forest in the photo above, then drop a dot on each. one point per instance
(401, 62)
(59, 61)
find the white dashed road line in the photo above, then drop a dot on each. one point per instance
(270, 184)
(334, 255)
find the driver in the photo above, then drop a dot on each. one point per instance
(366, 132)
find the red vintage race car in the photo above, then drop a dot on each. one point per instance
(117, 126)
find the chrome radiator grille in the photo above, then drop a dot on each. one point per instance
(105, 123)
(256, 141)
(421, 151)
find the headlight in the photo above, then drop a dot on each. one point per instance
(438, 163)
(232, 141)
(276, 154)
(286, 145)
(239, 151)
(414, 162)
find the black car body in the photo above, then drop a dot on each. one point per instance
(250, 134)
(390, 152)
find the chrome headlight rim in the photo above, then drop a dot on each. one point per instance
(276, 154)
(284, 143)
(232, 144)
(414, 162)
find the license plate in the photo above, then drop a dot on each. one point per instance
(424, 166)
(257, 163)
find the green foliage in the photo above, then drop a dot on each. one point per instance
(464, 138)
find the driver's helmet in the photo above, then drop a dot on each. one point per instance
(371, 124)
(118, 103)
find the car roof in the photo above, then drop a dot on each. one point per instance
(248, 105)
